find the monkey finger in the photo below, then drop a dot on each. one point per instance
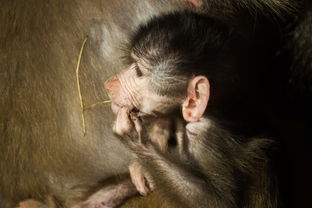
(142, 136)
(149, 182)
(123, 125)
(138, 179)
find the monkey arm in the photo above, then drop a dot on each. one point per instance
(177, 181)
(174, 179)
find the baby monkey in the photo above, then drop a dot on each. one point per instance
(190, 75)
(159, 131)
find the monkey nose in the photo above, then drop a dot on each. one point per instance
(111, 84)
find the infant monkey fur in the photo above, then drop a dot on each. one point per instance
(197, 72)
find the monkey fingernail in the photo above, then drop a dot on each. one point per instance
(147, 184)
(144, 191)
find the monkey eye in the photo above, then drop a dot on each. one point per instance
(138, 70)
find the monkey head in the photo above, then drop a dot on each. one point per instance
(134, 88)
(173, 61)
(131, 88)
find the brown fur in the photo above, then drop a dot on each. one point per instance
(42, 149)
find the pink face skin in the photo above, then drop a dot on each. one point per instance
(130, 88)
(126, 89)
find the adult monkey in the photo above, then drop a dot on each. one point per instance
(43, 149)
(39, 97)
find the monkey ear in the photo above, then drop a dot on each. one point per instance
(195, 104)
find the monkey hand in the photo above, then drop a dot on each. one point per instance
(123, 124)
(128, 126)
(140, 178)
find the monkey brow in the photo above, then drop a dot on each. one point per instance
(140, 62)
(145, 66)
(126, 59)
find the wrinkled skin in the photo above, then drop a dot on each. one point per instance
(131, 88)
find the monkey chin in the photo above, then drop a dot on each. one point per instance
(115, 108)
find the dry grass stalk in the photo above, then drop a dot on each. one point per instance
(83, 108)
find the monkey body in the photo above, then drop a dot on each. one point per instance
(43, 149)
(175, 74)
(209, 168)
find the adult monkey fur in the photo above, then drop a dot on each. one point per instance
(41, 140)
(43, 149)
